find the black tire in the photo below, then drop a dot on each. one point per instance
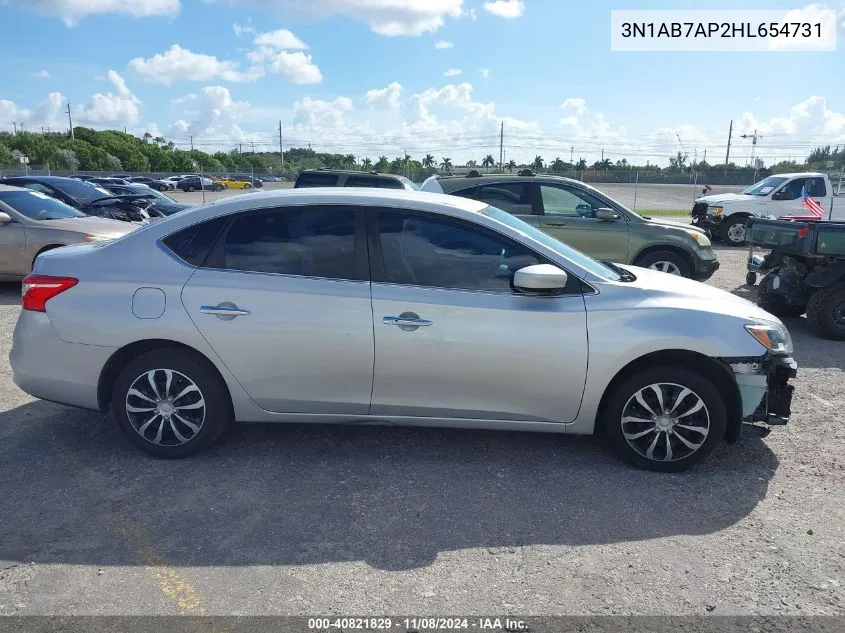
(775, 303)
(247, 186)
(671, 258)
(750, 279)
(211, 390)
(712, 417)
(729, 227)
(826, 311)
(191, 188)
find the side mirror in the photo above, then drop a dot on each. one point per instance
(540, 278)
(5, 218)
(609, 215)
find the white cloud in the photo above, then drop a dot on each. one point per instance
(72, 11)
(219, 116)
(281, 39)
(807, 119)
(110, 110)
(179, 63)
(441, 44)
(575, 106)
(42, 74)
(472, 14)
(452, 72)
(310, 112)
(509, 9)
(390, 96)
(243, 29)
(811, 14)
(385, 17)
(120, 85)
(188, 98)
(484, 72)
(295, 67)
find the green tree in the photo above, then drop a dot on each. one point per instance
(537, 164)
(488, 162)
(581, 165)
(557, 165)
(6, 158)
(428, 161)
(112, 163)
(383, 164)
(511, 165)
(446, 164)
(366, 164)
(66, 159)
(471, 164)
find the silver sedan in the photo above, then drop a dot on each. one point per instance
(390, 307)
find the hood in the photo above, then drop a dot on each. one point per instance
(90, 226)
(729, 197)
(679, 292)
(669, 224)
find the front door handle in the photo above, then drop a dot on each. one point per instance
(224, 310)
(407, 321)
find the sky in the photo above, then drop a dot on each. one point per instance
(382, 77)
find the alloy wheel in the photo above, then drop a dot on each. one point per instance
(665, 422)
(736, 233)
(165, 407)
(666, 267)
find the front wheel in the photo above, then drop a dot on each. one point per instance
(770, 301)
(733, 231)
(665, 419)
(191, 188)
(665, 261)
(826, 311)
(750, 278)
(170, 403)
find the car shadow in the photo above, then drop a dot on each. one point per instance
(10, 293)
(75, 492)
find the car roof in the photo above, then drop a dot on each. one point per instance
(453, 183)
(799, 173)
(48, 179)
(12, 188)
(350, 172)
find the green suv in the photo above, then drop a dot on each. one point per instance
(587, 219)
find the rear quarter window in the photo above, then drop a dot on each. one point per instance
(316, 179)
(192, 244)
(373, 181)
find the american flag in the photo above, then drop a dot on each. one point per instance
(814, 207)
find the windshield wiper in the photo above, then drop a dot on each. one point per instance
(624, 275)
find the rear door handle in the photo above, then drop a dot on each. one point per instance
(224, 310)
(404, 321)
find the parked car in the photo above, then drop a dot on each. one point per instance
(589, 220)
(351, 178)
(107, 181)
(174, 179)
(726, 214)
(232, 183)
(32, 223)
(337, 305)
(161, 202)
(195, 183)
(87, 197)
(152, 183)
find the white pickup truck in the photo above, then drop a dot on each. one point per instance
(724, 215)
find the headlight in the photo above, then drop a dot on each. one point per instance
(773, 336)
(718, 210)
(699, 237)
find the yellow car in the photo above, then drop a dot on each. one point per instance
(235, 184)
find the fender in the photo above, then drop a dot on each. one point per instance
(829, 276)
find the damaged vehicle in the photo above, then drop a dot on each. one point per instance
(90, 198)
(391, 307)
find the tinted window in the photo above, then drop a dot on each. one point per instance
(193, 243)
(423, 251)
(308, 241)
(316, 179)
(37, 186)
(37, 206)
(513, 197)
(815, 187)
(80, 190)
(570, 202)
(373, 181)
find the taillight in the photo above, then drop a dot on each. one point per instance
(37, 290)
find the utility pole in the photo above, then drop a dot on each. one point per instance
(753, 145)
(240, 148)
(728, 153)
(281, 148)
(70, 121)
(572, 154)
(192, 142)
(502, 148)
(602, 154)
(15, 123)
(253, 147)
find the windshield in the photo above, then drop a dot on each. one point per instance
(765, 187)
(158, 195)
(409, 184)
(38, 206)
(587, 263)
(81, 190)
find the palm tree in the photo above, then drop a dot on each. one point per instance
(511, 165)
(581, 165)
(538, 163)
(366, 164)
(557, 165)
(446, 164)
(471, 164)
(428, 161)
(383, 164)
(488, 162)
(349, 159)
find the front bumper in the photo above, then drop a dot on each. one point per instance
(765, 391)
(705, 268)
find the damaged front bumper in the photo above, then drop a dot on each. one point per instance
(765, 391)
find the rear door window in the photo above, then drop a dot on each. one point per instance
(517, 198)
(316, 179)
(816, 188)
(193, 243)
(373, 181)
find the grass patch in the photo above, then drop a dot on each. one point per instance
(653, 212)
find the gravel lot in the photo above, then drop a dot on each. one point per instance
(328, 520)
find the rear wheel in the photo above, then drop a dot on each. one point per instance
(665, 418)
(770, 301)
(665, 261)
(826, 311)
(247, 186)
(170, 403)
(750, 278)
(733, 231)
(191, 188)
